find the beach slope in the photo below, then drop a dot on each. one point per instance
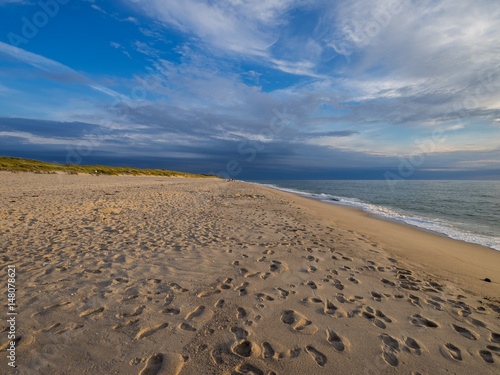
(156, 275)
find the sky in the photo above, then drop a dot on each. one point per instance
(261, 89)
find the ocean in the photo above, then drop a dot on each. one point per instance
(464, 210)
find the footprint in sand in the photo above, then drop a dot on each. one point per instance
(227, 283)
(126, 324)
(313, 299)
(435, 305)
(353, 280)
(274, 267)
(390, 342)
(261, 297)
(452, 351)
(150, 330)
(335, 340)
(464, 332)
(70, 327)
(244, 271)
(51, 307)
(153, 365)
(138, 311)
(264, 275)
(477, 322)
(411, 345)
(283, 293)
(330, 308)
(495, 349)
(169, 363)
(464, 311)
(495, 337)
(267, 350)
(420, 321)
(486, 356)
(242, 289)
(312, 285)
(216, 354)
(390, 350)
(209, 293)
(195, 313)
(294, 353)
(247, 368)
(171, 311)
(177, 287)
(377, 296)
(388, 282)
(369, 314)
(187, 327)
(382, 316)
(129, 298)
(240, 313)
(239, 333)
(219, 304)
(53, 326)
(390, 358)
(316, 355)
(244, 348)
(256, 273)
(341, 298)
(338, 284)
(168, 299)
(298, 322)
(414, 300)
(92, 311)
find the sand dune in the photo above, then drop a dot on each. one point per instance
(149, 275)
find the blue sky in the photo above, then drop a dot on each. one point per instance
(296, 89)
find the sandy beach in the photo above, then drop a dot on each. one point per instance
(152, 275)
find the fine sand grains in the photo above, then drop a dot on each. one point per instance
(149, 275)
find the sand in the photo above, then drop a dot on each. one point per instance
(150, 275)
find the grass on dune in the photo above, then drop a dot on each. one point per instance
(35, 166)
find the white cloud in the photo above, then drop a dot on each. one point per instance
(439, 50)
(131, 19)
(56, 69)
(305, 68)
(35, 60)
(235, 27)
(34, 139)
(98, 8)
(121, 48)
(146, 49)
(222, 24)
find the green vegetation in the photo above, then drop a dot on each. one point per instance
(35, 166)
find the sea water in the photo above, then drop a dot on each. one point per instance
(464, 210)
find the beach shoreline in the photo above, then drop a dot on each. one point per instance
(158, 275)
(481, 261)
(447, 227)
